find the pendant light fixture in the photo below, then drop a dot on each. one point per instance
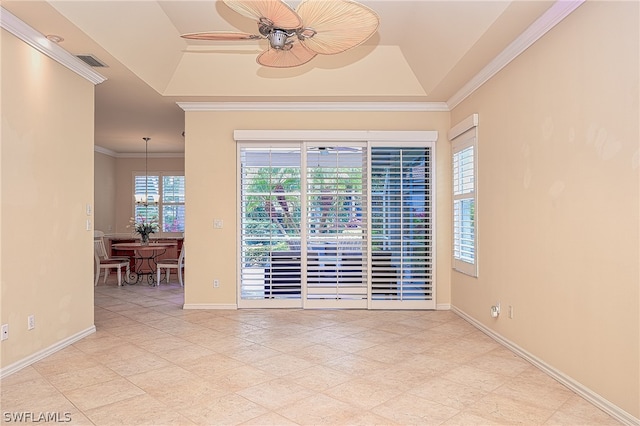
(146, 199)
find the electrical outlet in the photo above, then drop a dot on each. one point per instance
(218, 223)
(495, 310)
(31, 322)
(5, 332)
(216, 283)
(510, 312)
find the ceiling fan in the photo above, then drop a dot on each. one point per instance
(323, 27)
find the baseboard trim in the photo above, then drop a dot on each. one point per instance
(597, 400)
(209, 306)
(35, 357)
(443, 307)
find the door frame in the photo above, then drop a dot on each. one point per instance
(371, 137)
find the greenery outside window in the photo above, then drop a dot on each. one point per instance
(336, 225)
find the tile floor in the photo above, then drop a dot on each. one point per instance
(152, 363)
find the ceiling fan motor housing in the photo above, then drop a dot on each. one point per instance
(278, 38)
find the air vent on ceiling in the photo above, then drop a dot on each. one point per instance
(92, 61)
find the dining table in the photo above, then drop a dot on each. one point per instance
(145, 259)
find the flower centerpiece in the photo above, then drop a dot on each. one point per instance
(144, 226)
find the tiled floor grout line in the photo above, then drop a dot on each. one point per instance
(150, 362)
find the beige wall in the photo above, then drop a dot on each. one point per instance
(558, 201)
(104, 185)
(557, 210)
(46, 259)
(210, 162)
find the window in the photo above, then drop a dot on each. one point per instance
(168, 189)
(337, 224)
(465, 240)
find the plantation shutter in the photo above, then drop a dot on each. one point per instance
(402, 218)
(463, 205)
(173, 203)
(270, 227)
(336, 227)
(464, 152)
(341, 224)
(147, 185)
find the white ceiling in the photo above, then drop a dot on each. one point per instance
(424, 51)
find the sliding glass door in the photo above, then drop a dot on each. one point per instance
(336, 226)
(270, 225)
(402, 227)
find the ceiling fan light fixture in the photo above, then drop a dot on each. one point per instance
(278, 39)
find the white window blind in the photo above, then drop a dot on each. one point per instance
(270, 223)
(464, 205)
(172, 203)
(168, 189)
(336, 223)
(401, 224)
(464, 140)
(148, 186)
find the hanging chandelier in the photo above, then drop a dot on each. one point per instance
(146, 199)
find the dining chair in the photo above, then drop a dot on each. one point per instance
(103, 262)
(99, 235)
(170, 264)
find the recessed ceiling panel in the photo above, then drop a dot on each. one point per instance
(238, 74)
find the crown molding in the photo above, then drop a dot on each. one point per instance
(115, 154)
(105, 151)
(332, 135)
(33, 38)
(553, 16)
(316, 106)
(151, 155)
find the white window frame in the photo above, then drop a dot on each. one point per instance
(462, 136)
(161, 203)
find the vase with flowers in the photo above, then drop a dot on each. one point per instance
(144, 227)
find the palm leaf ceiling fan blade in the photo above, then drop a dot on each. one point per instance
(220, 36)
(335, 26)
(277, 12)
(280, 58)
